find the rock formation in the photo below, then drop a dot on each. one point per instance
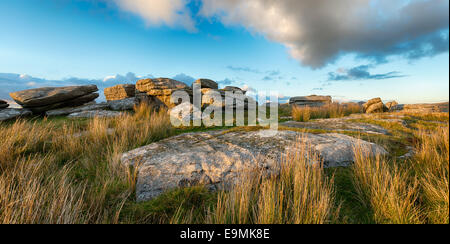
(218, 159)
(206, 83)
(233, 89)
(3, 104)
(48, 98)
(311, 101)
(391, 105)
(13, 113)
(162, 89)
(120, 92)
(374, 105)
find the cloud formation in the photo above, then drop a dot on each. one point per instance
(360, 73)
(173, 13)
(317, 32)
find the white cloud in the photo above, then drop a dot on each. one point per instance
(172, 13)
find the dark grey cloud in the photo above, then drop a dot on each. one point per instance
(318, 32)
(361, 73)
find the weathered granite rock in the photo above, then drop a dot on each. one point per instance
(95, 113)
(391, 106)
(233, 89)
(13, 113)
(120, 92)
(239, 100)
(146, 85)
(3, 104)
(46, 96)
(312, 101)
(162, 88)
(206, 83)
(218, 159)
(371, 102)
(70, 103)
(375, 108)
(151, 101)
(71, 110)
(124, 104)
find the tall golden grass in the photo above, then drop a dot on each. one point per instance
(431, 167)
(386, 189)
(70, 174)
(300, 193)
(410, 191)
(334, 110)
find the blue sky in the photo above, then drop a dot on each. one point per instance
(393, 52)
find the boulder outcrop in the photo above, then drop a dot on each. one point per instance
(120, 92)
(162, 89)
(206, 83)
(48, 98)
(219, 158)
(311, 101)
(374, 105)
(391, 106)
(239, 97)
(233, 89)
